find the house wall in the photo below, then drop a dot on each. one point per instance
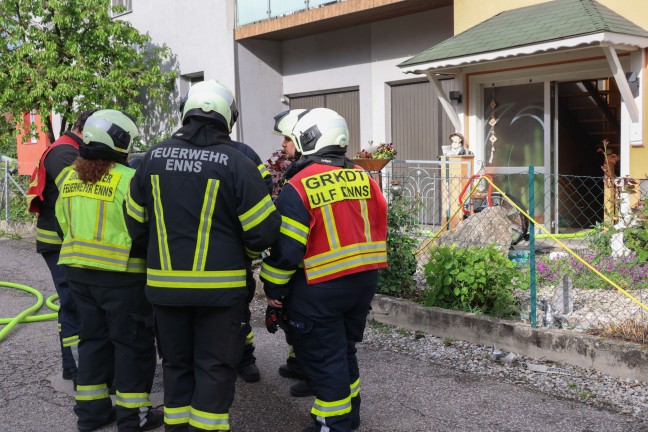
(260, 94)
(262, 72)
(468, 13)
(201, 38)
(364, 57)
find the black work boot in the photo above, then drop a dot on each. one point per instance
(287, 371)
(154, 419)
(301, 389)
(112, 416)
(249, 372)
(69, 373)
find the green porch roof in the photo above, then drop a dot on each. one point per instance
(551, 21)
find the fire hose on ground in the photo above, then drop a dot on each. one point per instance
(26, 315)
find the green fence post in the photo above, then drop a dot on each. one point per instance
(532, 267)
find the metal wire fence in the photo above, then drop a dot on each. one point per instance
(584, 252)
(12, 191)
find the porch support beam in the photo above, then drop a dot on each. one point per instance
(622, 82)
(445, 101)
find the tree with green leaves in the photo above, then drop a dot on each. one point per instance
(67, 56)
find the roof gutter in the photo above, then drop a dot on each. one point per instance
(601, 39)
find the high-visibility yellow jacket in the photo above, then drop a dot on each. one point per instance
(91, 216)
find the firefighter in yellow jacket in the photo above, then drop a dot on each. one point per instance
(323, 270)
(202, 210)
(106, 274)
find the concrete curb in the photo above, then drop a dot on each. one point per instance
(616, 358)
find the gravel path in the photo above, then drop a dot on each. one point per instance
(566, 381)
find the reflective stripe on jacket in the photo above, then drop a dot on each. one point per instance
(92, 219)
(201, 211)
(333, 223)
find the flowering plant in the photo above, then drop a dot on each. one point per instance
(277, 165)
(383, 151)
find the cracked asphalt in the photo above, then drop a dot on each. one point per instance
(399, 393)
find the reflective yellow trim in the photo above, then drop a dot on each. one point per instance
(249, 339)
(136, 265)
(91, 392)
(330, 227)
(209, 421)
(257, 214)
(204, 228)
(263, 170)
(176, 416)
(365, 219)
(294, 229)
(330, 409)
(135, 210)
(70, 340)
(191, 279)
(89, 252)
(163, 246)
(47, 236)
(60, 179)
(275, 275)
(345, 252)
(132, 400)
(100, 221)
(355, 388)
(251, 254)
(346, 264)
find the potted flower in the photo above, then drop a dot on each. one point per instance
(376, 159)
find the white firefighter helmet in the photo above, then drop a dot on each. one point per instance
(320, 130)
(112, 128)
(213, 100)
(285, 123)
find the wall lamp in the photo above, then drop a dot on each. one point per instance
(455, 96)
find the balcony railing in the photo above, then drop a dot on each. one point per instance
(251, 11)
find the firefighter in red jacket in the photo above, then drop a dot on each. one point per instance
(324, 267)
(41, 197)
(202, 209)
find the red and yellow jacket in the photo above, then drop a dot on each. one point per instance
(43, 192)
(334, 223)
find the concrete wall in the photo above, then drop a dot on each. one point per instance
(616, 358)
(259, 94)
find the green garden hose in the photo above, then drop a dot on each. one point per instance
(26, 315)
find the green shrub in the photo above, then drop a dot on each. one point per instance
(636, 238)
(402, 229)
(473, 279)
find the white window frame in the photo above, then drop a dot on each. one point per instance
(33, 131)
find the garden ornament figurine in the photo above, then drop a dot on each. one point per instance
(457, 145)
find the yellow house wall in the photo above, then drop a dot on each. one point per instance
(468, 13)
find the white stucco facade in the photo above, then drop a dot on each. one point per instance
(262, 72)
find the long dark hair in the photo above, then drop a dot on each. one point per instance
(92, 170)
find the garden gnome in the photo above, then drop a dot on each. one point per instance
(457, 145)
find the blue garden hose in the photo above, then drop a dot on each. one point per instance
(26, 315)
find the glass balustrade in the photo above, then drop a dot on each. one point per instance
(251, 11)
